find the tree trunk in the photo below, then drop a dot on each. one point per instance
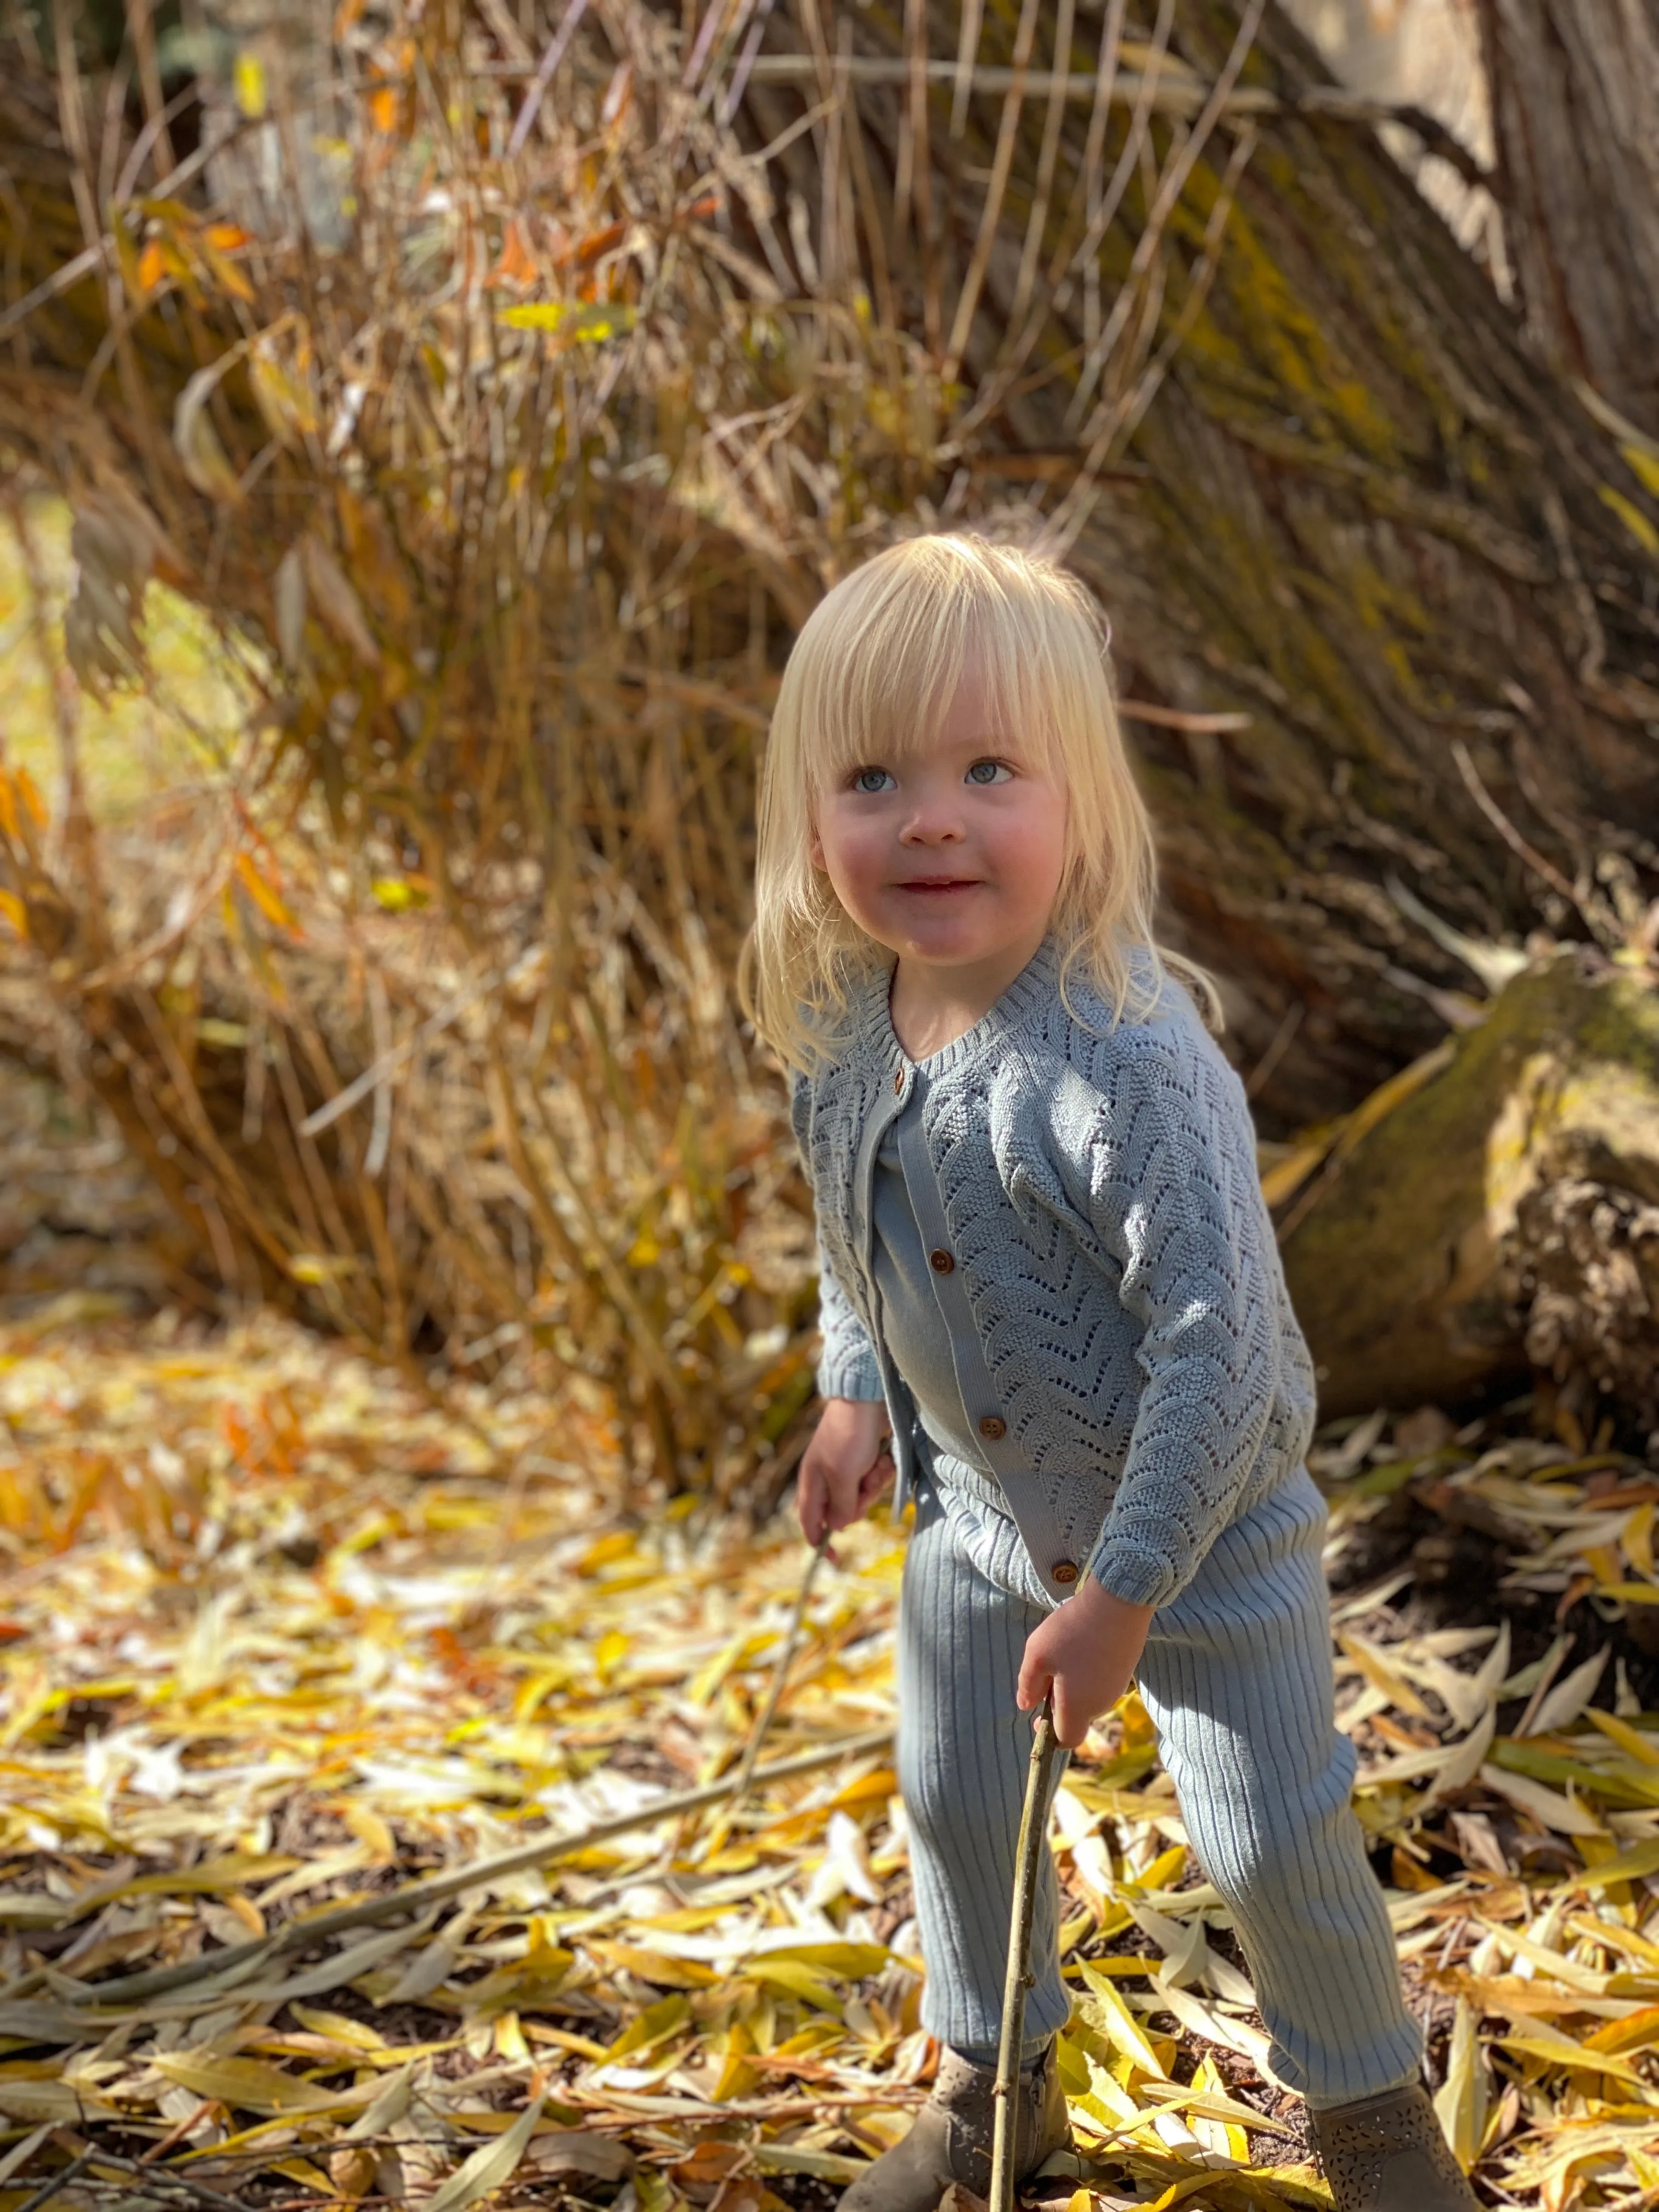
(1574, 86)
(1362, 520)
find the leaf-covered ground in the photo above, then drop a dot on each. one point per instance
(277, 1635)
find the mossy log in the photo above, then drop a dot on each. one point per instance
(1505, 1216)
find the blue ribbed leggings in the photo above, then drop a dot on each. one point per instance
(1237, 1677)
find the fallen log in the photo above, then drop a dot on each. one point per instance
(1504, 1219)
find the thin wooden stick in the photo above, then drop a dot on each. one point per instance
(1027, 1860)
(791, 1646)
(55, 2183)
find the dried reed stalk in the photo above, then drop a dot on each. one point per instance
(509, 386)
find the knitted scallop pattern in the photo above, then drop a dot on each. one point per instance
(1106, 1216)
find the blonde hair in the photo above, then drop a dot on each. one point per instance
(870, 677)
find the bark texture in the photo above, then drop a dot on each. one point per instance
(1362, 516)
(1574, 90)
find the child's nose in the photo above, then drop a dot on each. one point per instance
(932, 822)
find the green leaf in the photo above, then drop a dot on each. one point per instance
(1630, 1788)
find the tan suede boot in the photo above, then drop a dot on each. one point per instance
(950, 2140)
(1387, 2154)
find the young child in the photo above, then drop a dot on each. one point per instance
(1049, 1287)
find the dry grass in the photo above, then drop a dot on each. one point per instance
(503, 439)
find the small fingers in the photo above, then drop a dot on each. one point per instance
(1034, 1682)
(1070, 1726)
(875, 1481)
(810, 1504)
(840, 1505)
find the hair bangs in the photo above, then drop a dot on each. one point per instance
(888, 677)
(882, 679)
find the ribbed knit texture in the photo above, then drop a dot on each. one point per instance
(1113, 1263)
(964, 1749)
(1237, 1676)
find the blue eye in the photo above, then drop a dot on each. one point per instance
(988, 771)
(870, 781)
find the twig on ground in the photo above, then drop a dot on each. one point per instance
(437, 1889)
(791, 1646)
(53, 2183)
(162, 2177)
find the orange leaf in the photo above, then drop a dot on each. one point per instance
(152, 266)
(27, 791)
(126, 252)
(234, 1430)
(13, 909)
(516, 265)
(383, 107)
(264, 896)
(706, 2166)
(596, 243)
(231, 279)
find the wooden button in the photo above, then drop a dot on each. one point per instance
(940, 1262)
(993, 1427)
(1064, 1571)
(898, 1081)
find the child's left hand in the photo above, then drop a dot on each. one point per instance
(1083, 1656)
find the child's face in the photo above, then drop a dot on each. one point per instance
(951, 856)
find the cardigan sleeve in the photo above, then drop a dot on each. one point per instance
(1175, 1200)
(846, 1365)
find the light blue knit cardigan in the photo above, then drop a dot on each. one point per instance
(1121, 1329)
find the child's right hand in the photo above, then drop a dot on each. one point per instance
(845, 1466)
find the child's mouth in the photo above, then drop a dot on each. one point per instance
(933, 886)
